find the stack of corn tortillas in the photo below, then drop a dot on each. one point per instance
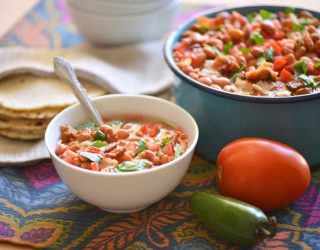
(29, 102)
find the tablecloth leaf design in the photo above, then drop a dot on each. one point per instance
(151, 222)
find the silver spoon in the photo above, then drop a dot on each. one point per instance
(65, 71)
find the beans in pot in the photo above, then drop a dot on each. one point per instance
(260, 54)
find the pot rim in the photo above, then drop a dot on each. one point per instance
(175, 35)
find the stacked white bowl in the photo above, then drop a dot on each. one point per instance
(116, 22)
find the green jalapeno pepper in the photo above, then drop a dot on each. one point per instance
(231, 219)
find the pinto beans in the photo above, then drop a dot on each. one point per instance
(267, 26)
(308, 42)
(256, 51)
(303, 91)
(205, 80)
(315, 37)
(236, 34)
(317, 47)
(220, 81)
(300, 52)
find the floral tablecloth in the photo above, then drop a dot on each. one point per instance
(38, 210)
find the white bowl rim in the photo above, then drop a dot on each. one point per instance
(107, 17)
(151, 170)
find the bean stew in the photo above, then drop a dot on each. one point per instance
(259, 54)
(123, 144)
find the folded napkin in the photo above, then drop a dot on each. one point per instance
(138, 68)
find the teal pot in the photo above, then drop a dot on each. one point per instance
(223, 117)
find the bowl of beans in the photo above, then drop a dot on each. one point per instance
(134, 159)
(250, 71)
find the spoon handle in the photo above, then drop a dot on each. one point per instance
(65, 71)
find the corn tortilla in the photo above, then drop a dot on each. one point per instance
(26, 92)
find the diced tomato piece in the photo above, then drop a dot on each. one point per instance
(154, 130)
(144, 129)
(285, 75)
(168, 149)
(279, 63)
(94, 166)
(69, 154)
(181, 46)
(153, 146)
(276, 47)
(94, 150)
(86, 165)
(290, 68)
(279, 35)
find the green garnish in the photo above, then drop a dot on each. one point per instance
(304, 21)
(99, 136)
(129, 166)
(245, 51)
(177, 150)
(164, 141)
(257, 38)
(87, 124)
(289, 10)
(300, 67)
(203, 29)
(91, 156)
(227, 47)
(317, 65)
(251, 16)
(268, 54)
(219, 27)
(297, 27)
(265, 14)
(235, 74)
(99, 144)
(309, 81)
(141, 146)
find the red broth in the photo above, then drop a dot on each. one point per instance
(123, 144)
(259, 54)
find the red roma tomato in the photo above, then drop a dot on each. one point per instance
(261, 172)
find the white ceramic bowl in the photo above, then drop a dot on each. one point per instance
(103, 29)
(119, 8)
(124, 192)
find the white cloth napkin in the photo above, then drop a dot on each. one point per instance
(138, 68)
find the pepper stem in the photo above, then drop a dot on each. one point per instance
(267, 230)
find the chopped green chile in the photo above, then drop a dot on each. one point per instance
(133, 143)
(279, 51)
(91, 156)
(142, 146)
(245, 51)
(164, 141)
(257, 38)
(99, 136)
(265, 14)
(227, 47)
(300, 67)
(129, 166)
(99, 144)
